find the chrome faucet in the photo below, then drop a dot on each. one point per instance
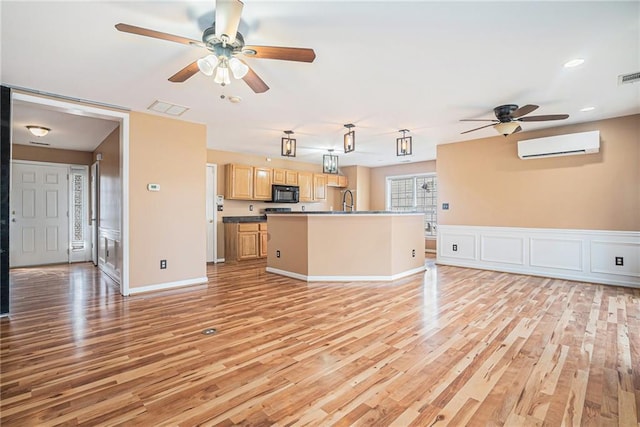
(344, 201)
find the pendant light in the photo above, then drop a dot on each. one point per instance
(330, 163)
(349, 138)
(288, 145)
(404, 145)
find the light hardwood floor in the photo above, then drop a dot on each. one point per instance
(452, 346)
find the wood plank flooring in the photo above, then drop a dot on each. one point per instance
(452, 347)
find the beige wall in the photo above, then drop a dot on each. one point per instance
(359, 177)
(379, 179)
(110, 201)
(53, 155)
(169, 224)
(486, 184)
(241, 207)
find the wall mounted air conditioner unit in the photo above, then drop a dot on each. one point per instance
(560, 145)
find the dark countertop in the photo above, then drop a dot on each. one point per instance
(254, 218)
(345, 213)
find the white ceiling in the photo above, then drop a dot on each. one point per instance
(383, 66)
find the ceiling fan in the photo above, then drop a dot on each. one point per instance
(225, 44)
(509, 116)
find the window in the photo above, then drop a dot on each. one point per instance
(417, 193)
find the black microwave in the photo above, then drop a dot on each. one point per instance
(285, 193)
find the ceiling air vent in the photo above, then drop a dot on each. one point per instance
(628, 78)
(46, 144)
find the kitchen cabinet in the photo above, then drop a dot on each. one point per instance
(336, 181)
(319, 187)
(244, 241)
(305, 182)
(238, 182)
(261, 183)
(284, 177)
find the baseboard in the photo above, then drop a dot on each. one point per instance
(220, 260)
(167, 285)
(580, 255)
(345, 278)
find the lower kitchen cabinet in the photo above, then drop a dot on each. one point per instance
(243, 241)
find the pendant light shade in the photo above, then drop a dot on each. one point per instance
(288, 145)
(207, 64)
(238, 68)
(506, 128)
(349, 138)
(404, 144)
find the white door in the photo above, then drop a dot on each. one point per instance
(39, 229)
(211, 214)
(94, 213)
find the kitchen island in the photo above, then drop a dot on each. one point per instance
(345, 246)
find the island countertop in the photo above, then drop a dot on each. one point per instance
(344, 213)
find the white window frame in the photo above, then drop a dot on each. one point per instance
(416, 176)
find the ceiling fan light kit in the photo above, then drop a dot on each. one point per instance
(506, 128)
(404, 144)
(224, 43)
(288, 145)
(349, 138)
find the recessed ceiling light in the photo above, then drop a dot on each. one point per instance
(234, 99)
(586, 109)
(574, 63)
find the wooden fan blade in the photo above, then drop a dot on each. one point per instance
(481, 127)
(126, 28)
(228, 18)
(284, 53)
(254, 81)
(525, 109)
(518, 129)
(543, 118)
(185, 73)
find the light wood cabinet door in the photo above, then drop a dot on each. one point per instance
(261, 183)
(248, 245)
(332, 180)
(278, 176)
(319, 187)
(264, 237)
(239, 182)
(290, 177)
(342, 181)
(305, 181)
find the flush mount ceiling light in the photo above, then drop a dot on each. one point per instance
(330, 163)
(507, 128)
(288, 145)
(404, 144)
(38, 130)
(349, 138)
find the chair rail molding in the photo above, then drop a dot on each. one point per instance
(597, 256)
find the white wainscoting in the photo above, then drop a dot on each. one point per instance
(110, 253)
(582, 255)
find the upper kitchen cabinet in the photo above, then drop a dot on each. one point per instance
(261, 183)
(337, 181)
(238, 182)
(305, 182)
(319, 187)
(284, 177)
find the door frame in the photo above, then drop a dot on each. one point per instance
(94, 194)
(122, 117)
(212, 190)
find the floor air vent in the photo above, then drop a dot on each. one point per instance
(628, 78)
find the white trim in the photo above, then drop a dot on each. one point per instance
(219, 260)
(168, 285)
(123, 118)
(345, 278)
(581, 255)
(214, 208)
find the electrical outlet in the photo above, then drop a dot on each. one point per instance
(455, 248)
(619, 260)
(250, 208)
(163, 264)
(277, 254)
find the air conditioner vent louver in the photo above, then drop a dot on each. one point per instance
(628, 78)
